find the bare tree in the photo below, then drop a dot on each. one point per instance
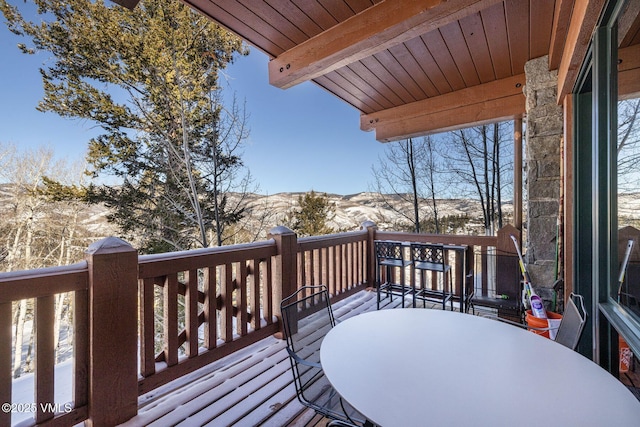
(406, 177)
(42, 225)
(480, 159)
(628, 144)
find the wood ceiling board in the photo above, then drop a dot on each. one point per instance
(330, 82)
(629, 25)
(272, 18)
(629, 72)
(438, 48)
(363, 82)
(454, 39)
(583, 23)
(476, 39)
(561, 18)
(383, 94)
(489, 111)
(360, 5)
(129, 4)
(249, 20)
(420, 52)
(495, 25)
(541, 21)
(402, 66)
(498, 89)
(415, 71)
(338, 9)
(317, 13)
(517, 13)
(374, 64)
(295, 15)
(229, 20)
(629, 58)
(629, 84)
(382, 87)
(372, 30)
(350, 91)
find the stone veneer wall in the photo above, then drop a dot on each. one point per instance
(542, 165)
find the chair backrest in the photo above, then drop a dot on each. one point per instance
(306, 318)
(428, 256)
(469, 285)
(573, 321)
(389, 250)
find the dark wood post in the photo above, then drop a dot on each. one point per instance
(517, 173)
(371, 227)
(508, 274)
(113, 345)
(286, 265)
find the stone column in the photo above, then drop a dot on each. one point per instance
(542, 156)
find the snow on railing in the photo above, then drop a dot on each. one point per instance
(142, 321)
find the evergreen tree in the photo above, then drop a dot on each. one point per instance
(149, 80)
(311, 216)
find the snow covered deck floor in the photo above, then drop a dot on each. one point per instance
(252, 387)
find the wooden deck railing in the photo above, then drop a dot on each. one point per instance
(226, 294)
(493, 259)
(338, 261)
(43, 285)
(142, 321)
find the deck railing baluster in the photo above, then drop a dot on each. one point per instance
(45, 357)
(242, 316)
(5, 361)
(170, 319)
(191, 313)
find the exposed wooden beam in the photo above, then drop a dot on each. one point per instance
(561, 19)
(583, 22)
(629, 72)
(517, 173)
(628, 24)
(491, 111)
(377, 28)
(486, 103)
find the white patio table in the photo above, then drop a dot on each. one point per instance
(421, 367)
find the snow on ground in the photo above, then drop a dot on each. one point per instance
(23, 403)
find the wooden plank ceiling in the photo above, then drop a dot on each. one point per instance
(411, 67)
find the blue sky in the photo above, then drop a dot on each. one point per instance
(302, 138)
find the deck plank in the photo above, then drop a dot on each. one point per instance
(252, 387)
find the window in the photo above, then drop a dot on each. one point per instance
(627, 292)
(608, 147)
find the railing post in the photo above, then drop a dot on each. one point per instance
(286, 265)
(113, 346)
(371, 228)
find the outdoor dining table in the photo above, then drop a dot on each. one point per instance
(417, 367)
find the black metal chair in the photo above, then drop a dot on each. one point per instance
(569, 331)
(469, 293)
(390, 257)
(307, 317)
(427, 257)
(573, 321)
